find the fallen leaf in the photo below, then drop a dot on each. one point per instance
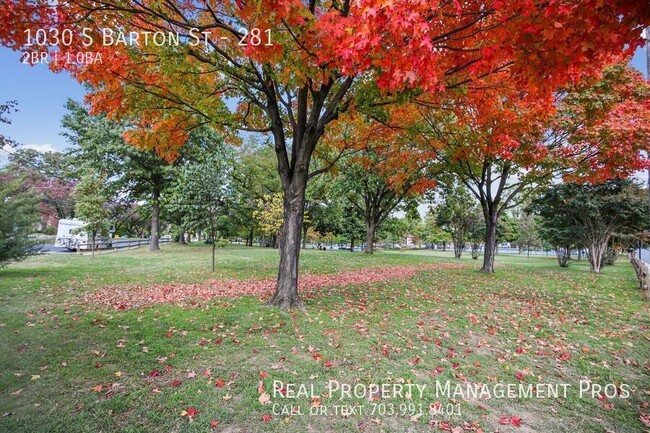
(264, 399)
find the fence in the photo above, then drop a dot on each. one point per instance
(119, 244)
(643, 275)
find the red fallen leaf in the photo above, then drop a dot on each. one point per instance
(176, 383)
(519, 350)
(154, 373)
(214, 424)
(504, 420)
(266, 417)
(121, 307)
(416, 360)
(169, 335)
(98, 365)
(264, 374)
(220, 383)
(516, 421)
(328, 364)
(645, 419)
(168, 368)
(202, 343)
(564, 356)
(455, 365)
(22, 347)
(218, 341)
(520, 375)
(444, 426)
(191, 412)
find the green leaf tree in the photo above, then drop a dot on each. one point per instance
(131, 173)
(203, 191)
(456, 212)
(17, 218)
(91, 206)
(590, 214)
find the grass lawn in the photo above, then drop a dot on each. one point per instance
(399, 319)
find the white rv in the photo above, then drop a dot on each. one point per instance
(68, 235)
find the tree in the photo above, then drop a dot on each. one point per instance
(528, 233)
(379, 180)
(336, 215)
(51, 177)
(455, 213)
(476, 234)
(91, 206)
(300, 78)
(503, 143)
(7, 108)
(433, 234)
(269, 216)
(254, 176)
(132, 174)
(18, 210)
(203, 193)
(589, 215)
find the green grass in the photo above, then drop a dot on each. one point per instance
(470, 325)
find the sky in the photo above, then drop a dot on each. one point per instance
(42, 95)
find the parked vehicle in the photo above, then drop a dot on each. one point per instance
(69, 235)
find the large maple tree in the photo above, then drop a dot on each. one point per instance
(301, 62)
(504, 143)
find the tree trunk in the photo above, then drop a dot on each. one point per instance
(249, 241)
(458, 248)
(595, 255)
(214, 247)
(155, 221)
(351, 244)
(93, 244)
(490, 241)
(181, 238)
(286, 292)
(370, 237)
(444, 246)
(305, 228)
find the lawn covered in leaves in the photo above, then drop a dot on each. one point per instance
(133, 342)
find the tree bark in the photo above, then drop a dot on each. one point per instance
(214, 247)
(597, 250)
(370, 237)
(490, 241)
(286, 293)
(305, 228)
(94, 234)
(249, 240)
(181, 238)
(458, 247)
(352, 244)
(155, 221)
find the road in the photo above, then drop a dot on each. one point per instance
(49, 248)
(645, 255)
